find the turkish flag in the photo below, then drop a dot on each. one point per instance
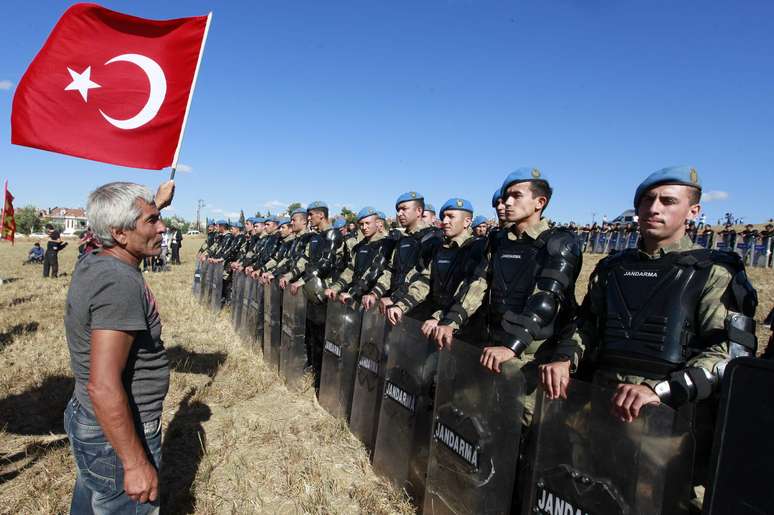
(110, 87)
(7, 219)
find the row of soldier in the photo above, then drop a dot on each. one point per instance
(440, 313)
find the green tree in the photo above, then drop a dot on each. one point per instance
(348, 214)
(258, 214)
(293, 206)
(242, 217)
(27, 220)
(177, 222)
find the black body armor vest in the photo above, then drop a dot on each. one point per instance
(365, 253)
(516, 265)
(411, 249)
(451, 266)
(650, 321)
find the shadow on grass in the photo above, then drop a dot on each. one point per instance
(7, 337)
(39, 410)
(182, 360)
(184, 445)
(35, 412)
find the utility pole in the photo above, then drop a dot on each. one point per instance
(199, 206)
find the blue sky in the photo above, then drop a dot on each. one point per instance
(354, 102)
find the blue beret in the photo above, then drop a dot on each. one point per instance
(459, 204)
(381, 215)
(685, 175)
(479, 220)
(250, 219)
(272, 219)
(429, 207)
(338, 223)
(259, 220)
(366, 212)
(498, 194)
(222, 222)
(283, 221)
(317, 204)
(523, 174)
(238, 225)
(300, 210)
(407, 197)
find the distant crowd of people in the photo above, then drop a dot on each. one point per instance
(172, 242)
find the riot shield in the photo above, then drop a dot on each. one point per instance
(702, 240)
(631, 242)
(601, 244)
(254, 317)
(272, 325)
(340, 352)
(761, 253)
(406, 415)
(476, 433)
(216, 295)
(196, 288)
(369, 378)
(204, 293)
(592, 245)
(744, 247)
(237, 285)
(247, 292)
(612, 242)
(292, 347)
(741, 465)
(587, 461)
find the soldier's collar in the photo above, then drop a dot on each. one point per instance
(420, 226)
(533, 231)
(378, 235)
(683, 243)
(460, 238)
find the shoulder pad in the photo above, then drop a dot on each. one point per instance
(560, 241)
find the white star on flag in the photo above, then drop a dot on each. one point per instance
(82, 82)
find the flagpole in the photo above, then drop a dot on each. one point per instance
(190, 97)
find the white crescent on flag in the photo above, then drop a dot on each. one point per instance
(158, 91)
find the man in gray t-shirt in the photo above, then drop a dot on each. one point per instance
(106, 293)
(117, 356)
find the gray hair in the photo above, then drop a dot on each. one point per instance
(114, 206)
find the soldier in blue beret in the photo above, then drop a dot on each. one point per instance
(381, 222)
(428, 215)
(698, 301)
(525, 284)
(313, 266)
(433, 286)
(365, 263)
(479, 226)
(499, 205)
(412, 247)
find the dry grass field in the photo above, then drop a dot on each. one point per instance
(235, 440)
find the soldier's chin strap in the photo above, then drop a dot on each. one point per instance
(696, 383)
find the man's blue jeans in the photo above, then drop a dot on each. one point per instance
(99, 487)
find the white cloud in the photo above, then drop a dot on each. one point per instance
(232, 214)
(6, 84)
(216, 210)
(714, 195)
(274, 205)
(184, 168)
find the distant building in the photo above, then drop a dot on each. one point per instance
(72, 219)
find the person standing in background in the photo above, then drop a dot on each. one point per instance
(51, 258)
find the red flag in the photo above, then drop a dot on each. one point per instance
(111, 87)
(7, 220)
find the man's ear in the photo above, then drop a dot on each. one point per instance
(119, 236)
